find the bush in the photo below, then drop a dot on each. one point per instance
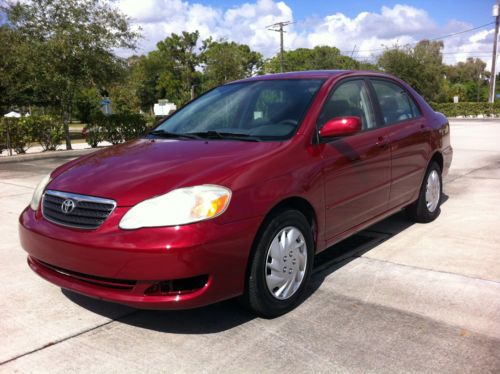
(114, 128)
(18, 131)
(468, 109)
(133, 125)
(46, 130)
(93, 135)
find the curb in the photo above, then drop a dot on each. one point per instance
(457, 119)
(47, 155)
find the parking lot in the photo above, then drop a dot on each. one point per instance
(399, 297)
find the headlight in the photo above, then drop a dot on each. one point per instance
(178, 207)
(37, 195)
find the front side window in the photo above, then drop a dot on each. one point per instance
(349, 99)
(395, 104)
(262, 110)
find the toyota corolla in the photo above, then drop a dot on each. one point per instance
(235, 193)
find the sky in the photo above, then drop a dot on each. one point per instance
(358, 28)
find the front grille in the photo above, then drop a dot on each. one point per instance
(73, 210)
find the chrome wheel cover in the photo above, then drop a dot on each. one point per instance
(433, 191)
(286, 263)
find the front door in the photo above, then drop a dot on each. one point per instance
(357, 168)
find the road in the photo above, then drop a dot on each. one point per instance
(399, 297)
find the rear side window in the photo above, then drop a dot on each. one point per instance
(395, 103)
(350, 98)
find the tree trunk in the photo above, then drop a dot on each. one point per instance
(66, 116)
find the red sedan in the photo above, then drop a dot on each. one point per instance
(235, 193)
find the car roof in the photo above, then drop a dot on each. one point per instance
(311, 74)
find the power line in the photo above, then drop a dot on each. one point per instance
(462, 32)
(433, 39)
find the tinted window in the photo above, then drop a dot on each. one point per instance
(395, 104)
(263, 109)
(349, 99)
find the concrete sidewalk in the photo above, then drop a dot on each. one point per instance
(37, 152)
(412, 298)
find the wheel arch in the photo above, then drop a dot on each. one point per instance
(293, 202)
(438, 158)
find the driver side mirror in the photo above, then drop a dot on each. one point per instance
(341, 126)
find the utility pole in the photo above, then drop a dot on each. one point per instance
(493, 77)
(278, 27)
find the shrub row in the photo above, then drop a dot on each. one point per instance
(114, 128)
(468, 109)
(22, 132)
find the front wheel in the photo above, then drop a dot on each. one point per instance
(427, 207)
(281, 265)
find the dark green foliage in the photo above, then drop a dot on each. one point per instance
(227, 61)
(115, 128)
(421, 67)
(46, 130)
(86, 103)
(468, 109)
(317, 58)
(18, 131)
(70, 46)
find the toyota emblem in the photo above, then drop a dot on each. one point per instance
(68, 206)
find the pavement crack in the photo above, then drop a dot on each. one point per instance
(18, 185)
(58, 341)
(431, 270)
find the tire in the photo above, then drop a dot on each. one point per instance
(269, 262)
(428, 205)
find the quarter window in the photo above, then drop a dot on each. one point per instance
(349, 99)
(395, 103)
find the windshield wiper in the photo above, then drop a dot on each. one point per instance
(167, 134)
(225, 135)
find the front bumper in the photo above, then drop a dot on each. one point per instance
(447, 159)
(141, 258)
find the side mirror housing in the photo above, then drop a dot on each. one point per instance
(341, 126)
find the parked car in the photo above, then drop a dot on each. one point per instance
(235, 193)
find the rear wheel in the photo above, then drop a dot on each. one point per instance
(281, 265)
(428, 205)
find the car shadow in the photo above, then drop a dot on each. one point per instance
(228, 314)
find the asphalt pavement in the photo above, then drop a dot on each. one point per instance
(398, 297)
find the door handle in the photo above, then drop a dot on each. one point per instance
(382, 142)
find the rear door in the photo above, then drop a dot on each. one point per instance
(408, 136)
(357, 168)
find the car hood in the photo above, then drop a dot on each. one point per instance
(140, 169)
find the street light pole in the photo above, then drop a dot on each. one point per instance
(491, 98)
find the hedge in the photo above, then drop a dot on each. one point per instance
(114, 128)
(20, 133)
(468, 109)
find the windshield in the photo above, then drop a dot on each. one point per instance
(257, 110)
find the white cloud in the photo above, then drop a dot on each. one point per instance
(370, 32)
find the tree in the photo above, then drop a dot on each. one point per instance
(72, 42)
(227, 61)
(420, 66)
(317, 58)
(143, 76)
(473, 77)
(16, 83)
(178, 63)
